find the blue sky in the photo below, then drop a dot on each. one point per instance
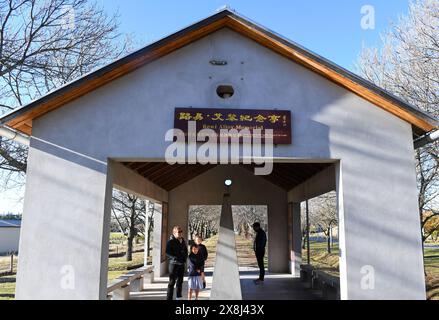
(329, 28)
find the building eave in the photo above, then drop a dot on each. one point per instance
(21, 118)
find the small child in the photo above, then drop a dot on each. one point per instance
(195, 263)
(203, 252)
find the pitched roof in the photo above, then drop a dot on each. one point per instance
(21, 118)
(10, 223)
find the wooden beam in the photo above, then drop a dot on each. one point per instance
(188, 172)
(151, 167)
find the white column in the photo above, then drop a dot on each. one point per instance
(225, 283)
(157, 241)
(65, 229)
(341, 233)
(379, 232)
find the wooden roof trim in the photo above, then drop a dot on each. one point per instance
(328, 73)
(21, 119)
(116, 70)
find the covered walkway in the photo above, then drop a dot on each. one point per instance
(275, 287)
(111, 129)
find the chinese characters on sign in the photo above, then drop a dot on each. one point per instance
(216, 119)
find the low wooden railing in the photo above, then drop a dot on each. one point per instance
(133, 281)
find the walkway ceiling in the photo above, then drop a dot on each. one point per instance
(168, 177)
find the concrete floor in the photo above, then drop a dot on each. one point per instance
(275, 287)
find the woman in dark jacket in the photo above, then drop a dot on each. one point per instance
(195, 264)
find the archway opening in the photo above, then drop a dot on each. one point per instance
(204, 220)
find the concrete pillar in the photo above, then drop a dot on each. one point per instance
(295, 238)
(341, 233)
(143, 284)
(65, 229)
(136, 285)
(148, 278)
(379, 234)
(157, 248)
(225, 283)
(122, 293)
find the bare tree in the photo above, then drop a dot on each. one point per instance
(303, 225)
(324, 215)
(408, 66)
(129, 212)
(150, 224)
(313, 217)
(204, 220)
(245, 216)
(43, 45)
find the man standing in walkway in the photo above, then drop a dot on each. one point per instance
(259, 248)
(176, 251)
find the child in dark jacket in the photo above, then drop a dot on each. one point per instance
(195, 263)
(202, 250)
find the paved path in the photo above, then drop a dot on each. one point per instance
(275, 287)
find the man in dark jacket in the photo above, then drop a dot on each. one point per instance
(176, 251)
(259, 248)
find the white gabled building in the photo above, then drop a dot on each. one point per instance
(108, 129)
(9, 236)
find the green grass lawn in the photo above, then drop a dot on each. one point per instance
(119, 266)
(7, 287)
(7, 283)
(431, 261)
(244, 251)
(320, 257)
(5, 263)
(328, 262)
